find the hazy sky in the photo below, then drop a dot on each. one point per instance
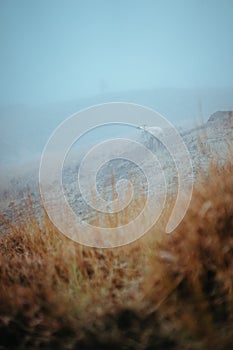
(53, 50)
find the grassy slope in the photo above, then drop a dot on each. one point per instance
(162, 292)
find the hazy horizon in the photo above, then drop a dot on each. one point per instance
(59, 50)
(58, 57)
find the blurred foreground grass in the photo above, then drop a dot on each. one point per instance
(162, 292)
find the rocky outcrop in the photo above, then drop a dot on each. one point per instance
(222, 117)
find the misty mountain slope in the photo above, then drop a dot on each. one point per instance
(27, 128)
(214, 137)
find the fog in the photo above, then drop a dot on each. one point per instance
(58, 57)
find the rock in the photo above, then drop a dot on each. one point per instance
(225, 117)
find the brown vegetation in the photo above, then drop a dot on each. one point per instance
(162, 292)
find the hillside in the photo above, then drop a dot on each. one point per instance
(163, 292)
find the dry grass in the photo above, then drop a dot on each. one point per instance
(162, 292)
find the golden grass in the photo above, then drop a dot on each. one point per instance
(162, 292)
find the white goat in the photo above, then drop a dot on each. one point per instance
(148, 135)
